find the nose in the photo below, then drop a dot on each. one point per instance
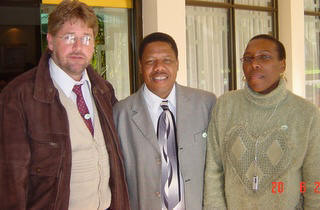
(158, 66)
(77, 44)
(255, 64)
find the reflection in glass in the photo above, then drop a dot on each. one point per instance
(207, 48)
(224, 1)
(312, 58)
(312, 5)
(249, 24)
(112, 49)
(261, 3)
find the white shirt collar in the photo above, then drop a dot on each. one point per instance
(153, 101)
(64, 81)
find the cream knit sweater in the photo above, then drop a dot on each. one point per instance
(275, 137)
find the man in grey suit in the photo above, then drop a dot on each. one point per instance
(149, 168)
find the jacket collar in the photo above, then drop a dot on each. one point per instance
(44, 89)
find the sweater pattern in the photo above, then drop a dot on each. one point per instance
(255, 154)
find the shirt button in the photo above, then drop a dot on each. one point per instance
(158, 161)
(158, 194)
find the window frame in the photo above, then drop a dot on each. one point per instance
(313, 14)
(232, 7)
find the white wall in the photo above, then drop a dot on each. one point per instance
(291, 34)
(168, 16)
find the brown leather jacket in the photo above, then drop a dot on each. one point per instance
(35, 150)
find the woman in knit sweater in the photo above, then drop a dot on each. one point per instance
(263, 147)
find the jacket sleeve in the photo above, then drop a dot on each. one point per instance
(14, 154)
(214, 176)
(311, 166)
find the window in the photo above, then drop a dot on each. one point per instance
(312, 50)
(111, 58)
(217, 33)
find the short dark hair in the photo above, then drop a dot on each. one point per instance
(70, 10)
(280, 48)
(157, 37)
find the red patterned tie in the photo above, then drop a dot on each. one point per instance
(82, 107)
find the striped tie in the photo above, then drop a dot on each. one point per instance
(170, 175)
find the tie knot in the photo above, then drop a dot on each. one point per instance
(164, 105)
(77, 89)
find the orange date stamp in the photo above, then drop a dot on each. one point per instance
(278, 187)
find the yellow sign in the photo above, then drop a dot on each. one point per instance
(98, 3)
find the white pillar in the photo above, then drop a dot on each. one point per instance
(291, 34)
(168, 16)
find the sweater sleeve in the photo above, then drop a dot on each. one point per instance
(214, 197)
(311, 166)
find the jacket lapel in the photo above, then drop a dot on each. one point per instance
(141, 118)
(183, 110)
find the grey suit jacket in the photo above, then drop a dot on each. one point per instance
(141, 152)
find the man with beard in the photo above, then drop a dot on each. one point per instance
(162, 130)
(58, 146)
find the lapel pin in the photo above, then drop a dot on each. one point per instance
(204, 134)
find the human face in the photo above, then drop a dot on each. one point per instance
(263, 67)
(72, 58)
(159, 66)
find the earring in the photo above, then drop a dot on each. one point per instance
(283, 76)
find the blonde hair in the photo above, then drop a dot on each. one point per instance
(69, 10)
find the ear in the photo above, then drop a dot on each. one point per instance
(50, 41)
(177, 65)
(283, 65)
(140, 68)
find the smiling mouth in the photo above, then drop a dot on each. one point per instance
(160, 77)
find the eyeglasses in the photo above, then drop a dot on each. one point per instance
(70, 39)
(259, 59)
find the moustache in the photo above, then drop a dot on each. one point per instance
(159, 73)
(78, 54)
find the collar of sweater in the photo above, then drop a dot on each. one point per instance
(267, 100)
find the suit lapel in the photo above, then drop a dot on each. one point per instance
(183, 110)
(141, 118)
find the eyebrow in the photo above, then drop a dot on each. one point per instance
(73, 33)
(88, 34)
(260, 51)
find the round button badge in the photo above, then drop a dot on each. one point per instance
(87, 116)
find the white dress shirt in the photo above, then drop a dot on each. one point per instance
(153, 103)
(66, 83)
